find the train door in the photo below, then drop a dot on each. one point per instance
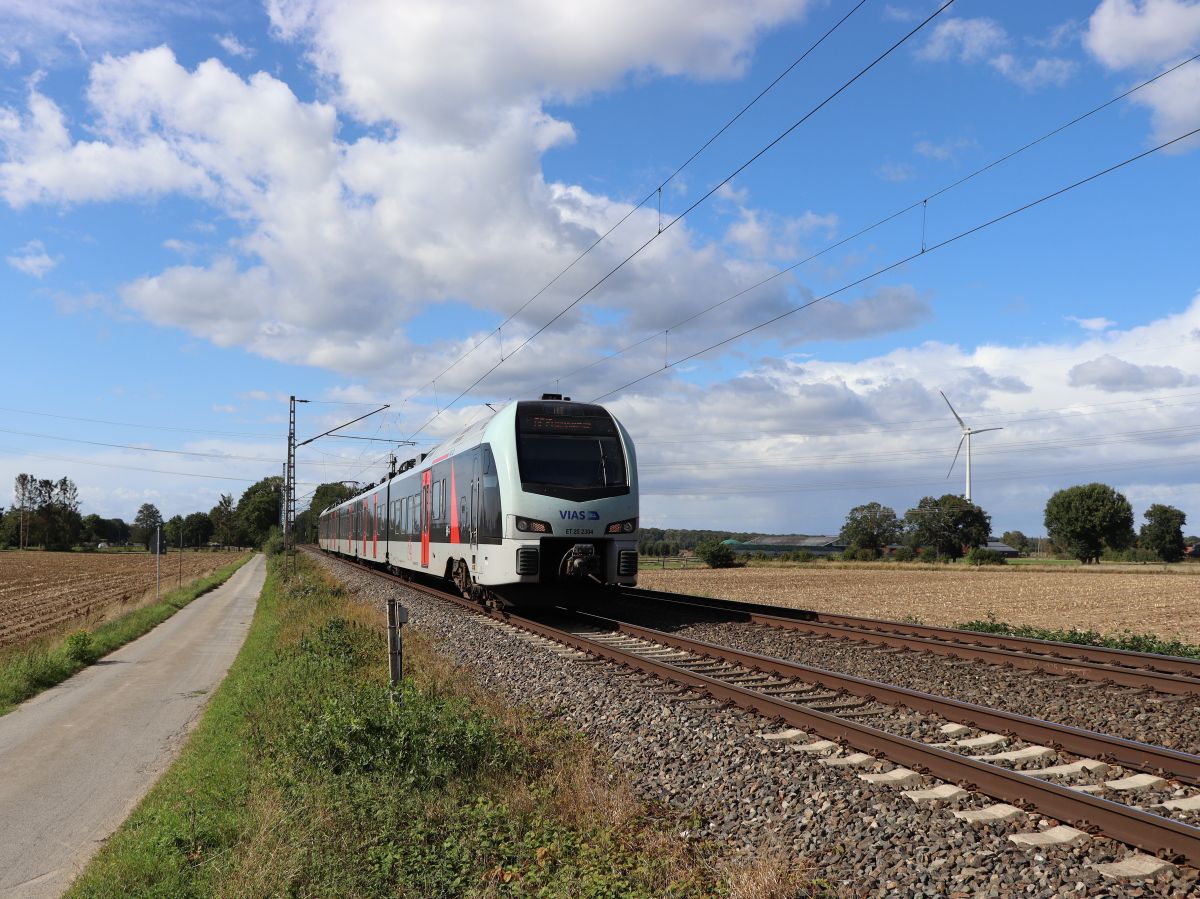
(474, 508)
(426, 513)
(375, 527)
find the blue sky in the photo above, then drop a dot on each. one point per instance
(207, 207)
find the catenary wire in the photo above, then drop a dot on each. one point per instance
(604, 236)
(880, 223)
(924, 251)
(741, 168)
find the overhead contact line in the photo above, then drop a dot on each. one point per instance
(918, 204)
(656, 192)
(924, 251)
(741, 168)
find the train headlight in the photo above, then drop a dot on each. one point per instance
(533, 526)
(628, 526)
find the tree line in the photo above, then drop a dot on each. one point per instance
(1083, 522)
(45, 514)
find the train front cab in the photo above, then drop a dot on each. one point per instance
(574, 495)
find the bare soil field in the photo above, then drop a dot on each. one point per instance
(1165, 603)
(41, 592)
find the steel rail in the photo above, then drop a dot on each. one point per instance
(971, 646)
(1146, 757)
(1127, 657)
(1153, 833)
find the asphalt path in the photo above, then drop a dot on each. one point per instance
(75, 760)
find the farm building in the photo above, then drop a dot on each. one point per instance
(775, 544)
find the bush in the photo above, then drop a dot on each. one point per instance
(78, 648)
(803, 555)
(904, 554)
(273, 545)
(716, 555)
(1136, 554)
(865, 555)
(978, 556)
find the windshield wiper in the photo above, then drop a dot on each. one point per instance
(603, 463)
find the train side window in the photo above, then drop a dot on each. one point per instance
(437, 500)
(443, 504)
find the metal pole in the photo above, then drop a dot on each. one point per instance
(157, 561)
(181, 554)
(397, 616)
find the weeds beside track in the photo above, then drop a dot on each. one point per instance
(306, 778)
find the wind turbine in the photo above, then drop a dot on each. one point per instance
(966, 435)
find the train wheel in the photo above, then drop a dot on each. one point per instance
(462, 578)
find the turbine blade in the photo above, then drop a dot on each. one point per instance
(982, 430)
(961, 423)
(956, 452)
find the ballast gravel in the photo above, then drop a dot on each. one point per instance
(1141, 715)
(755, 794)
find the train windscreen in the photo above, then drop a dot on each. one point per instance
(570, 450)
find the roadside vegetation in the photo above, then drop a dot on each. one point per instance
(309, 776)
(1125, 640)
(28, 669)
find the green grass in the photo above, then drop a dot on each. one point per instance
(27, 670)
(1124, 640)
(309, 776)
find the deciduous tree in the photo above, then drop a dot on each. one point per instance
(1085, 519)
(947, 524)
(872, 526)
(260, 507)
(145, 523)
(1016, 540)
(1163, 532)
(224, 521)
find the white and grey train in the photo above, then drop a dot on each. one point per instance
(543, 491)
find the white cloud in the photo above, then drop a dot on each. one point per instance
(32, 259)
(827, 435)
(1098, 323)
(985, 40)
(459, 69)
(45, 31)
(231, 45)
(896, 172)
(900, 13)
(1033, 75)
(345, 242)
(1141, 38)
(947, 150)
(182, 247)
(1111, 374)
(1124, 34)
(967, 40)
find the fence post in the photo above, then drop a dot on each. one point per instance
(397, 616)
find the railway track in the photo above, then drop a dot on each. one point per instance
(799, 696)
(1165, 674)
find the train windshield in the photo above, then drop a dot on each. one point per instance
(572, 451)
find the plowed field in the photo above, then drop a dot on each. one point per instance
(40, 592)
(1147, 601)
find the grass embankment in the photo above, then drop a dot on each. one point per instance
(27, 670)
(1125, 640)
(306, 778)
